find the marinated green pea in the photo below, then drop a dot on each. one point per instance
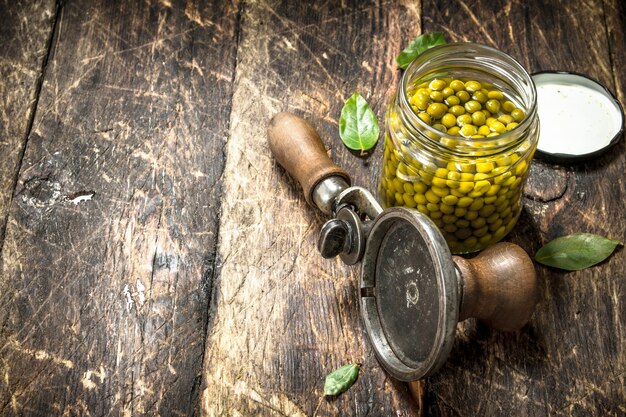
(470, 242)
(490, 199)
(450, 228)
(479, 222)
(495, 95)
(399, 198)
(457, 110)
(472, 105)
(440, 192)
(439, 182)
(462, 223)
(497, 127)
(505, 119)
(485, 239)
(432, 207)
(435, 214)
(454, 131)
(452, 101)
(493, 106)
(446, 209)
(495, 225)
(465, 202)
(420, 187)
(463, 96)
(508, 106)
(477, 204)
(460, 211)
(432, 197)
(457, 85)
(481, 186)
(521, 168)
(425, 118)
(483, 168)
(480, 97)
(518, 115)
(447, 92)
(465, 187)
(481, 231)
(463, 120)
(484, 130)
(493, 218)
(409, 201)
(478, 118)
(440, 128)
(468, 129)
(450, 200)
(471, 215)
(448, 120)
(437, 110)
(420, 199)
(511, 126)
(487, 211)
(472, 86)
(463, 233)
(422, 209)
(437, 96)
(437, 84)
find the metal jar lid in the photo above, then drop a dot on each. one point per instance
(579, 118)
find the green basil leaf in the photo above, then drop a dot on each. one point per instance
(341, 379)
(576, 252)
(417, 46)
(358, 126)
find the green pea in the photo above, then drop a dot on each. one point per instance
(484, 168)
(460, 211)
(457, 110)
(446, 209)
(463, 96)
(472, 86)
(408, 200)
(468, 130)
(518, 115)
(493, 106)
(454, 131)
(499, 234)
(457, 85)
(439, 182)
(490, 199)
(465, 187)
(420, 199)
(435, 215)
(485, 239)
(440, 192)
(508, 106)
(437, 96)
(471, 215)
(484, 130)
(437, 110)
(447, 92)
(505, 119)
(487, 211)
(478, 118)
(432, 197)
(437, 84)
(399, 198)
(432, 207)
(482, 186)
(480, 232)
(450, 228)
(425, 118)
(495, 225)
(470, 242)
(420, 187)
(479, 222)
(495, 216)
(495, 95)
(462, 222)
(477, 204)
(408, 188)
(422, 209)
(452, 101)
(450, 200)
(472, 106)
(464, 202)
(480, 97)
(463, 233)
(448, 120)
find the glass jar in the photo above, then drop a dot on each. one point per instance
(461, 131)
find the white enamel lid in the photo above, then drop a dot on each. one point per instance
(579, 118)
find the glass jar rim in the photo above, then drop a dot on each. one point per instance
(470, 52)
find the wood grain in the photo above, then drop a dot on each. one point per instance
(284, 317)
(571, 359)
(109, 251)
(25, 30)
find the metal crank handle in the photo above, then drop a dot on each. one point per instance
(297, 147)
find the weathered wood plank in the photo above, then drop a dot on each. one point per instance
(571, 359)
(109, 251)
(283, 317)
(25, 32)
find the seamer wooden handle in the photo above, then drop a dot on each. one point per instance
(297, 147)
(499, 286)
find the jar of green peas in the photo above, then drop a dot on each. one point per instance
(461, 131)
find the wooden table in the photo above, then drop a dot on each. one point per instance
(157, 261)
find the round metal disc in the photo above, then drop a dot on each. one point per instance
(409, 294)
